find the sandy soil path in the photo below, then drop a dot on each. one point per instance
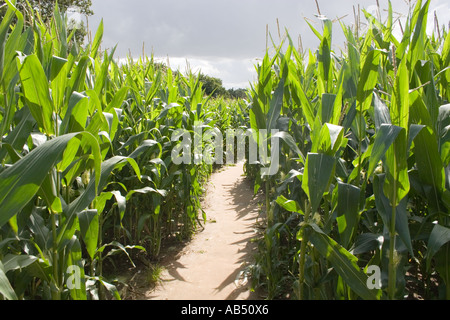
(212, 266)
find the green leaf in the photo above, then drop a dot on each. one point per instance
(76, 115)
(121, 203)
(88, 196)
(368, 80)
(414, 130)
(5, 286)
(120, 249)
(381, 112)
(112, 289)
(367, 242)
(299, 94)
(289, 205)
(21, 181)
(442, 265)
(36, 92)
(42, 234)
(75, 264)
(291, 143)
(343, 262)
(89, 228)
(17, 138)
(325, 79)
(443, 132)
(336, 137)
(146, 190)
(276, 103)
(317, 33)
(78, 76)
(49, 193)
(439, 236)
(329, 140)
(328, 106)
(97, 40)
(316, 177)
(338, 101)
(445, 79)
(384, 209)
(17, 42)
(385, 137)
(143, 147)
(102, 75)
(429, 164)
(399, 110)
(17, 262)
(59, 28)
(347, 211)
(419, 113)
(418, 42)
(4, 29)
(396, 186)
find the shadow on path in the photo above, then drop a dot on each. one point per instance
(214, 264)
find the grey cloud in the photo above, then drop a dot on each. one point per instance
(213, 30)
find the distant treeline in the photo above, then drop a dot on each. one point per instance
(215, 87)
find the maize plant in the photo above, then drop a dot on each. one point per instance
(363, 180)
(85, 149)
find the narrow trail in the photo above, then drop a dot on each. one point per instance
(212, 266)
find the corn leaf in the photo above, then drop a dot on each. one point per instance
(430, 168)
(343, 262)
(384, 209)
(37, 94)
(317, 175)
(97, 40)
(381, 112)
(289, 205)
(75, 260)
(439, 236)
(325, 82)
(419, 21)
(5, 286)
(276, 103)
(368, 80)
(22, 180)
(399, 110)
(385, 137)
(347, 211)
(89, 227)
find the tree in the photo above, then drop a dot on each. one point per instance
(212, 86)
(237, 93)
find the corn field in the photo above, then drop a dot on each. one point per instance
(363, 182)
(87, 175)
(86, 159)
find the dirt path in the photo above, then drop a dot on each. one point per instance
(212, 266)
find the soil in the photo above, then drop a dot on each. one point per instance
(214, 265)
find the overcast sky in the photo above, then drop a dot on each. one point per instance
(223, 38)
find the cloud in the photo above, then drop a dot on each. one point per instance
(234, 73)
(223, 37)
